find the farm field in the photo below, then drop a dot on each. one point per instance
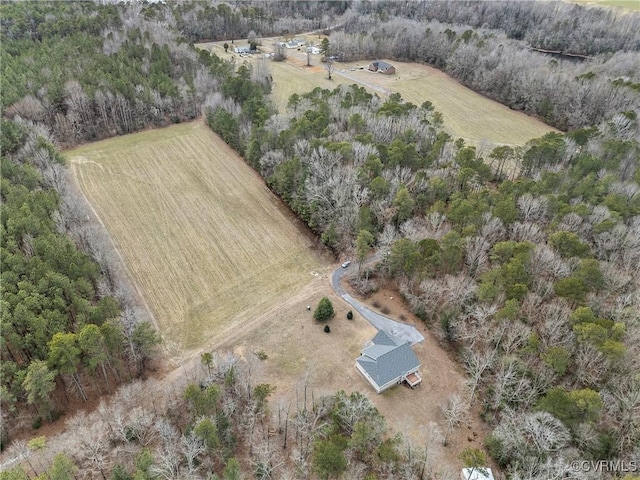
(208, 244)
(467, 114)
(631, 5)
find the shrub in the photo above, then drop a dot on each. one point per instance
(327, 329)
(496, 449)
(349, 315)
(324, 311)
(385, 310)
(262, 355)
(572, 407)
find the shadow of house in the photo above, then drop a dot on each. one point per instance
(387, 361)
(382, 67)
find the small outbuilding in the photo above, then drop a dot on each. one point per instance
(383, 67)
(388, 360)
(294, 43)
(476, 473)
(240, 50)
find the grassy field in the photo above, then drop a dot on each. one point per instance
(467, 114)
(208, 244)
(632, 5)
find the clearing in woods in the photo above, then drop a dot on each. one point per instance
(208, 244)
(467, 114)
(222, 265)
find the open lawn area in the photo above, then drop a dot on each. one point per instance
(210, 247)
(467, 114)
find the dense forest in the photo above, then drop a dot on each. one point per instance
(89, 72)
(531, 280)
(523, 261)
(71, 327)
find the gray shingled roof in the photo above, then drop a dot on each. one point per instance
(382, 65)
(387, 358)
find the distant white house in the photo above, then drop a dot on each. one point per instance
(387, 361)
(294, 43)
(476, 473)
(240, 50)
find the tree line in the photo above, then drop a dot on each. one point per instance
(563, 27)
(91, 71)
(69, 327)
(237, 19)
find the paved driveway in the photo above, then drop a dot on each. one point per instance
(381, 322)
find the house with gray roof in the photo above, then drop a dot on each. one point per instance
(381, 66)
(388, 360)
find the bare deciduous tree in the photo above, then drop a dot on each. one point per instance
(476, 255)
(456, 413)
(192, 446)
(168, 462)
(477, 361)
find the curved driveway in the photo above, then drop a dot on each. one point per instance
(399, 329)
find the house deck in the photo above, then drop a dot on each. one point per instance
(414, 379)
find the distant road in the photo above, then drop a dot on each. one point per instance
(381, 322)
